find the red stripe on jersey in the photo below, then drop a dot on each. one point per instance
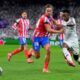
(40, 30)
(61, 35)
(22, 26)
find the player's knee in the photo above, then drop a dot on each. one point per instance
(37, 55)
(21, 49)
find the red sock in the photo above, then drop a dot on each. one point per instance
(16, 51)
(46, 65)
(26, 53)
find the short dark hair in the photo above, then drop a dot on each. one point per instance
(48, 6)
(66, 11)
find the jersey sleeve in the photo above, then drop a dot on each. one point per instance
(14, 26)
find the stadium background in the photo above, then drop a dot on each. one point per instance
(10, 10)
(18, 69)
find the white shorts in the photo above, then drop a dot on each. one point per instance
(73, 43)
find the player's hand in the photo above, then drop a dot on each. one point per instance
(61, 31)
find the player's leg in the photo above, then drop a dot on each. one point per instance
(27, 54)
(70, 51)
(26, 51)
(76, 57)
(15, 52)
(31, 52)
(67, 55)
(47, 57)
(35, 51)
(46, 45)
(75, 48)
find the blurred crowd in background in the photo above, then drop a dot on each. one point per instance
(9, 13)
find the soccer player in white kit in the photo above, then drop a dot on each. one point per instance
(70, 38)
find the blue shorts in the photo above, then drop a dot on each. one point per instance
(22, 40)
(40, 41)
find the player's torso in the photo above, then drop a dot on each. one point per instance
(59, 21)
(70, 31)
(40, 30)
(23, 25)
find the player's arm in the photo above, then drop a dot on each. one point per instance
(30, 27)
(57, 24)
(48, 27)
(50, 30)
(15, 25)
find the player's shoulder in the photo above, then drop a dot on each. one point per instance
(43, 17)
(72, 18)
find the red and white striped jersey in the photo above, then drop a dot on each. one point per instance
(40, 30)
(61, 37)
(22, 26)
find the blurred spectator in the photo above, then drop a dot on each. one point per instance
(11, 12)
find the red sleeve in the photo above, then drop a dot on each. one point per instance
(14, 26)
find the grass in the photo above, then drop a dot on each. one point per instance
(19, 69)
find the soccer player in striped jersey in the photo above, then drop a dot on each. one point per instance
(22, 25)
(59, 21)
(40, 36)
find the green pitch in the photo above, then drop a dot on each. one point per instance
(19, 69)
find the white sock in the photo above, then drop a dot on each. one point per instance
(67, 54)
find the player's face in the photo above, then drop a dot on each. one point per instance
(49, 11)
(24, 15)
(66, 16)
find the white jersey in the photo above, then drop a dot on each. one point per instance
(70, 35)
(70, 29)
